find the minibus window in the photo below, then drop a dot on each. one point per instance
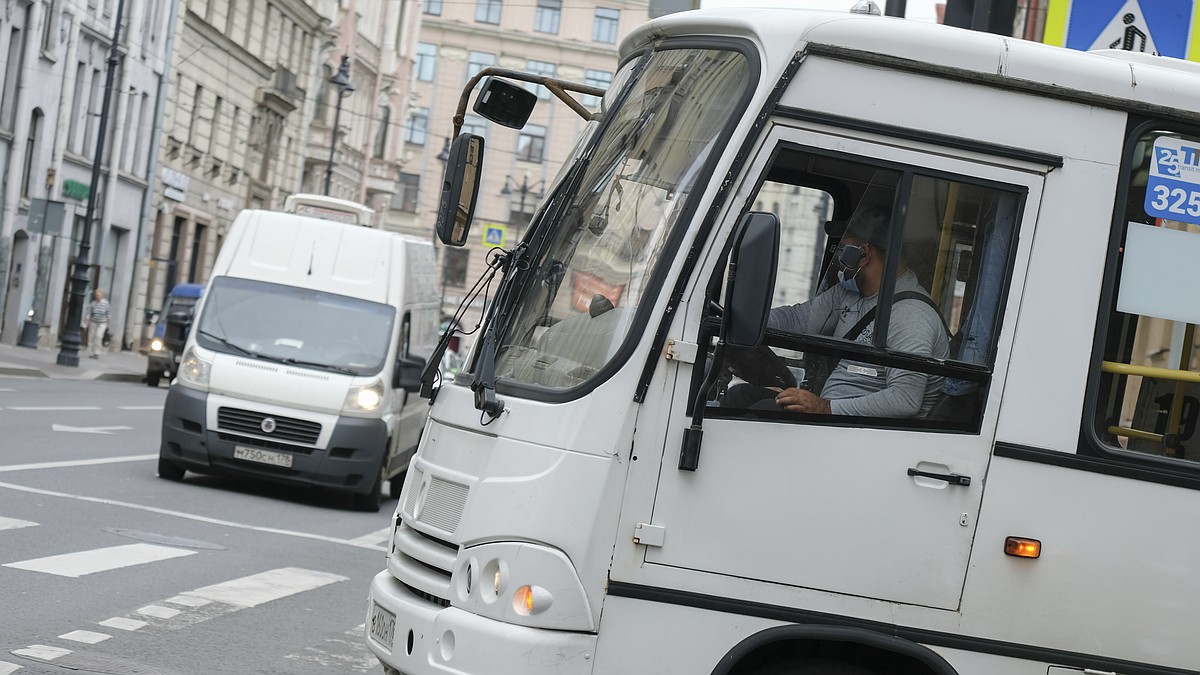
(1148, 385)
(923, 355)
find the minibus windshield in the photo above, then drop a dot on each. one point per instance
(297, 326)
(598, 261)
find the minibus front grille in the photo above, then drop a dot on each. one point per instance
(423, 563)
(426, 596)
(285, 429)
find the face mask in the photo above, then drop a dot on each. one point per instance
(849, 283)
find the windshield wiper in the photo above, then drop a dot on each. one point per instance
(227, 343)
(314, 364)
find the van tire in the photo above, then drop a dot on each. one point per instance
(170, 470)
(371, 501)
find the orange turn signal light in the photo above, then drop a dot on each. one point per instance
(1022, 547)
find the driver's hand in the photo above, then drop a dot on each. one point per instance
(801, 400)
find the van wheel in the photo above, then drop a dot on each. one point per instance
(813, 667)
(153, 378)
(170, 470)
(371, 501)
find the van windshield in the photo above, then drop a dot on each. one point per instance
(608, 241)
(298, 326)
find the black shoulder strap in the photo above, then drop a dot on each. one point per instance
(867, 318)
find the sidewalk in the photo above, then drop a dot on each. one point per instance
(42, 362)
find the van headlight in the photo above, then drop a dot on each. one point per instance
(194, 370)
(521, 583)
(364, 398)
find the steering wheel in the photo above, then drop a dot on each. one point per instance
(759, 366)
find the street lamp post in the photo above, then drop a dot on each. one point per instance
(68, 354)
(525, 190)
(340, 79)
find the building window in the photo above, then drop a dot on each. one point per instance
(475, 125)
(547, 16)
(405, 197)
(454, 266)
(540, 68)
(604, 28)
(418, 126)
(531, 144)
(381, 135)
(426, 59)
(31, 150)
(488, 11)
(596, 78)
(12, 72)
(433, 7)
(477, 61)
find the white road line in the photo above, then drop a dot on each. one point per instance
(82, 563)
(76, 462)
(85, 636)
(187, 602)
(42, 652)
(139, 407)
(189, 516)
(7, 668)
(158, 611)
(124, 624)
(52, 408)
(376, 537)
(13, 524)
(257, 589)
(5, 389)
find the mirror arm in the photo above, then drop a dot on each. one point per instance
(689, 454)
(559, 87)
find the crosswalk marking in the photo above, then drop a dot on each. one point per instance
(83, 563)
(42, 652)
(187, 602)
(85, 636)
(257, 589)
(13, 524)
(7, 668)
(121, 623)
(159, 612)
(139, 407)
(345, 653)
(378, 537)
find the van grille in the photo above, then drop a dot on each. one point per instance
(286, 428)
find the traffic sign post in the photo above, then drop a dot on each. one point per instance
(1162, 27)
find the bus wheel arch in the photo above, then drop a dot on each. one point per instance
(837, 650)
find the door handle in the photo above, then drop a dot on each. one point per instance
(951, 478)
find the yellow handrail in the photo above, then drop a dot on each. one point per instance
(1136, 433)
(1150, 371)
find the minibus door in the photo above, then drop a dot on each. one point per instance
(866, 506)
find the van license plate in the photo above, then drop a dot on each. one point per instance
(383, 625)
(262, 456)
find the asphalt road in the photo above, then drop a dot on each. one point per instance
(106, 568)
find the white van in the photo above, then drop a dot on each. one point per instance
(303, 359)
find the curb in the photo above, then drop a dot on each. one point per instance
(122, 377)
(21, 372)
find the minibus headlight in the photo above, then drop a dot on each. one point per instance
(156, 345)
(194, 369)
(364, 398)
(521, 583)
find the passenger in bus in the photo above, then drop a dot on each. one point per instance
(855, 387)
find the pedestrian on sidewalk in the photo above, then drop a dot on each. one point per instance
(97, 323)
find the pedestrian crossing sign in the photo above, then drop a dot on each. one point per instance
(494, 235)
(1162, 27)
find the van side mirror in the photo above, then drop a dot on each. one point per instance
(407, 375)
(504, 103)
(753, 262)
(460, 188)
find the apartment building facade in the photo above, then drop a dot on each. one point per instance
(569, 39)
(54, 72)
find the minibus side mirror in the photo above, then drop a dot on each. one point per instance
(751, 286)
(407, 375)
(504, 103)
(460, 188)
